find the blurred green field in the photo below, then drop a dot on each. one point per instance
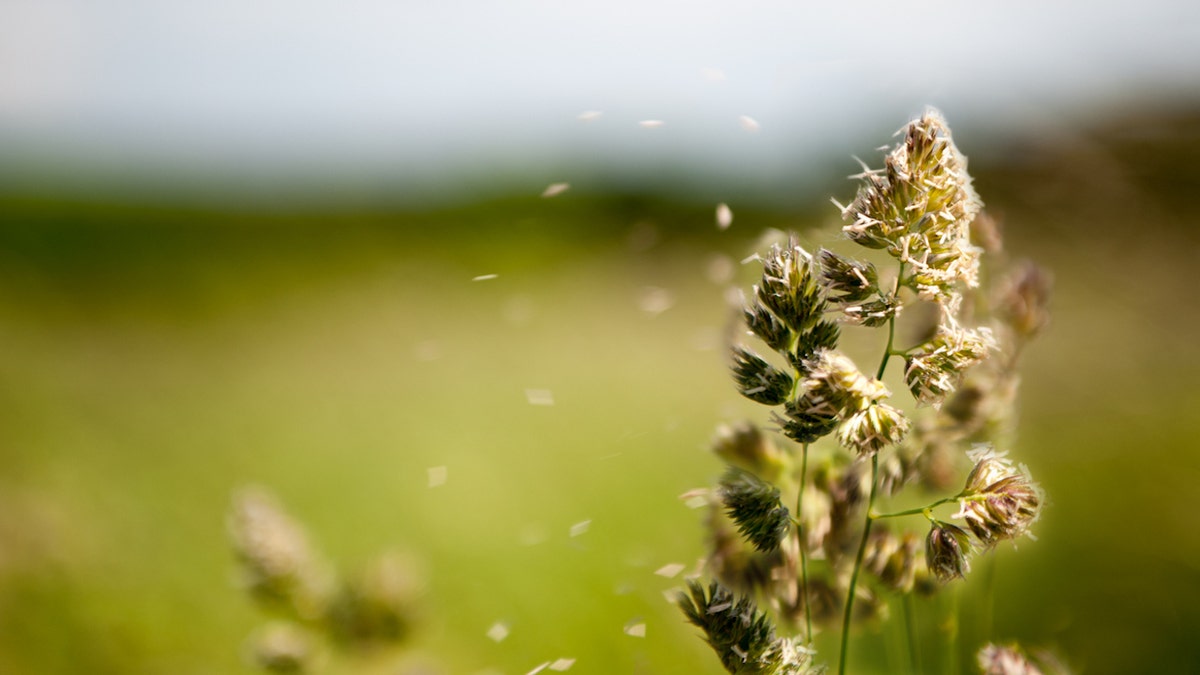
(154, 359)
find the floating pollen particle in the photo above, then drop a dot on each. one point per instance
(562, 664)
(749, 123)
(580, 527)
(497, 632)
(589, 115)
(437, 476)
(539, 396)
(485, 277)
(636, 628)
(670, 571)
(532, 535)
(555, 189)
(696, 499)
(426, 351)
(655, 301)
(650, 124)
(724, 216)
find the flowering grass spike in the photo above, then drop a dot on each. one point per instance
(961, 374)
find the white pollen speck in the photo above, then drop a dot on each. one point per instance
(485, 277)
(580, 527)
(724, 216)
(589, 115)
(532, 535)
(519, 310)
(706, 339)
(429, 350)
(497, 632)
(670, 571)
(555, 189)
(720, 269)
(650, 124)
(539, 396)
(437, 476)
(636, 628)
(697, 502)
(749, 123)
(714, 609)
(562, 664)
(713, 74)
(539, 668)
(655, 301)
(671, 595)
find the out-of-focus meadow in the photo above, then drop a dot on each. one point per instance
(154, 358)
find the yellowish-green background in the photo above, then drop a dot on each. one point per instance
(154, 357)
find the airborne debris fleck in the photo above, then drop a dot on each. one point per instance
(589, 115)
(555, 189)
(485, 277)
(650, 124)
(426, 351)
(562, 664)
(720, 269)
(532, 535)
(655, 301)
(670, 571)
(696, 499)
(498, 632)
(724, 216)
(539, 396)
(580, 527)
(437, 476)
(749, 123)
(636, 628)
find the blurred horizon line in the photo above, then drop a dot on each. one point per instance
(785, 169)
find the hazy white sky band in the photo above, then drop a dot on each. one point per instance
(286, 83)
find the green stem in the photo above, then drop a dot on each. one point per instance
(910, 624)
(989, 596)
(888, 351)
(887, 354)
(858, 559)
(925, 510)
(952, 629)
(862, 544)
(800, 536)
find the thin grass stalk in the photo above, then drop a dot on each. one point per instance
(800, 534)
(858, 559)
(910, 629)
(862, 544)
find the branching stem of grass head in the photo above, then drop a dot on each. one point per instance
(800, 536)
(891, 342)
(862, 544)
(921, 510)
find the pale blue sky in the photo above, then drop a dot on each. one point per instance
(434, 90)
